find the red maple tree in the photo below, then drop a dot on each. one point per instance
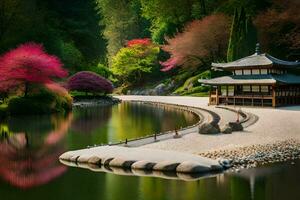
(29, 64)
(200, 42)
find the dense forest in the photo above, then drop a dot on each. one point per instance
(147, 43)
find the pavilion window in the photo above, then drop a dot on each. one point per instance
(246, 88)
(255, 71)
(264, 89)
(263, 71)
(230, 90)
(238, 72)
(224, 90)
(255, 88)
(247, 71)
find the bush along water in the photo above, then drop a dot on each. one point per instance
(89, 82)
(43, 102)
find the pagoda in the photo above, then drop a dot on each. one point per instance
(256, 80)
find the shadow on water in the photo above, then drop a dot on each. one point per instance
(29, 166)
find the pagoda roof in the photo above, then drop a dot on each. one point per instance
(265, 79)
(256, 60)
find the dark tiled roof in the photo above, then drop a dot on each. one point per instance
(256, 60)
(267, 79)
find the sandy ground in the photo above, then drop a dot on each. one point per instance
(273, 125)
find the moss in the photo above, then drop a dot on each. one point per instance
(192, 86)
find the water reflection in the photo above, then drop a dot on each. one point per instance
(30, 145)
(29, 150)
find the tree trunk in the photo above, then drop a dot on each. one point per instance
(26, 91)
(203, 7)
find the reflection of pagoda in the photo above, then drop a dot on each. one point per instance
(26, 166)
(256, 80)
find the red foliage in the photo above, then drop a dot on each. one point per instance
(279, 27)
(201, 40)
(144, 41)
(27, 64)
(86, 81)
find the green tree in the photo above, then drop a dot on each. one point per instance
(169, 16)
(242, 37)
(122, 22)
(131, 63)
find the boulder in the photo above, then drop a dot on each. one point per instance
(166, 166)
(207, 128)
(143, 165)
(159, 89)
(192, 167)
(226, 129)
(235, 126)
(225, 163)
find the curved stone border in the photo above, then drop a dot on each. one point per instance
(143, 173)
(212, 118)
(248, 118)
(143, 159)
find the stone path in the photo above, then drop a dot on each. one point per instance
(142, 159)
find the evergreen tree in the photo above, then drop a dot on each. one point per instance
(242, 37)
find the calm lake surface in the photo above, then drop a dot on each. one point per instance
(30, 147)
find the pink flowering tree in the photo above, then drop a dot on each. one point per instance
(29, 64)
(86, 81)
(200, 42)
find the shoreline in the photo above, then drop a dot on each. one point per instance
(275, 133)
(273, 138)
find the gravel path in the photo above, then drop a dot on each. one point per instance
(273, 125)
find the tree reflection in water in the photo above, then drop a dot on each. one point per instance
(30, 147)
(88, 119)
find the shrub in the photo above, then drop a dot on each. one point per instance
(44, 102)
(133, 62)
(86, 81)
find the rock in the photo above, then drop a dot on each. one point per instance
(226, 129)
(159, 89)
(166, 166)
(207, 128)
(143, 165)
(192, 167)
(225, 163)
(235, 126)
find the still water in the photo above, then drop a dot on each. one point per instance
(30, 146)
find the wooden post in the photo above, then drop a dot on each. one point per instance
(273, 96)
(209, 100)
(217, 95)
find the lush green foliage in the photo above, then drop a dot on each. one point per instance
(68, 29)
(43, 102)
(169, 16)
(92, 34)
(242, 37)
(122, 22)
(132, 62)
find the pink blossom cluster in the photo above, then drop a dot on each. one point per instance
(29, 63)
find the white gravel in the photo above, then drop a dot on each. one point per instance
(273, 125)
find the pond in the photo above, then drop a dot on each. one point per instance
(30, 147)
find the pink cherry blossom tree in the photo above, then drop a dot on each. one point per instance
(29, 64)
